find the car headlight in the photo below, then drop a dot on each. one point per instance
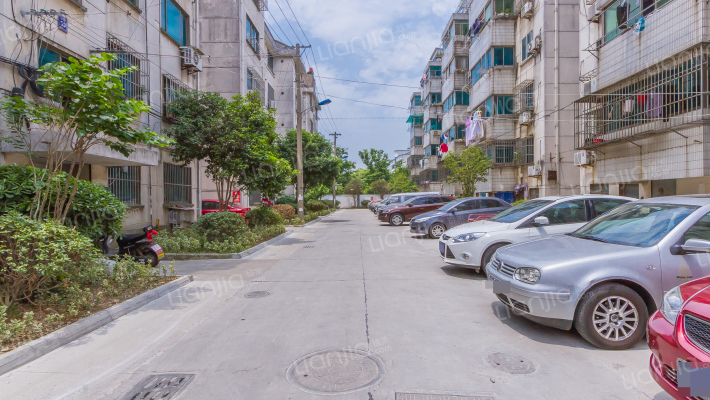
(528, 275)
(468, 237)
(672, 302)
(422, 219)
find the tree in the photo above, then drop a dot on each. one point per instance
(468, 168)
(399, 179)
(380, 188)
(354, 188)
(377, 163)
(84, 105)
(320, 166)
(236, 138)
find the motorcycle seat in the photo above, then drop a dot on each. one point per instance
(129, 238)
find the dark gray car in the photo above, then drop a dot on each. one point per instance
(435, 223)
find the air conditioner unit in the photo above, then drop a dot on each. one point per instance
(594, 13)
(534, 170)
(582, 158)
(272, 104)
(527, 10)
(525, 118)
(589, 87)
(534, 46)
(191, 59)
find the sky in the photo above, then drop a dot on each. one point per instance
(387, 42)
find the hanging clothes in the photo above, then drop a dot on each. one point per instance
(670, 102)
(622, 14)
(476, 132)
(639, 26)
(653, 105)
(476, 27)
(444, 148)
(628, 106)
(641, 99)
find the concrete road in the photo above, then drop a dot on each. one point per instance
(347, 283)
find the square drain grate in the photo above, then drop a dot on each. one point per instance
(162, 387)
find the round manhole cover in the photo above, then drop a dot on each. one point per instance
(335, 371)
(511, 363)
(257, 294)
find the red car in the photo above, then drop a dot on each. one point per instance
(400, 213)
(212, 206)
(680, 331)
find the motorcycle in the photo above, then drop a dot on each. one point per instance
(140, 246)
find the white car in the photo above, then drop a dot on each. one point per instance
(472, 245)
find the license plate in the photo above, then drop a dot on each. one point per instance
(158, 250)
(442, 248)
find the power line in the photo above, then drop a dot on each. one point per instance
(369, 83)
(365, 102)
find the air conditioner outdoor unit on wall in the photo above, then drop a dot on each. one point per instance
(191, 59)
(534, 46)
(589, 87)
(534, 170)
(593, 13)
(582, 158)
(525, 118)
(527, 10)
(272, 104)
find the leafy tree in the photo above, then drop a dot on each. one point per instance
(377, 163)
(320, 166)
(468, 168)
(399, 181)
(84, 105)
(380, 188)
(354, 188)
(236, 138)
(317, 192)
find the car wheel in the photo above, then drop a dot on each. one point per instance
(612, 317)
(488, 254)
(436, 230)
(396, 219)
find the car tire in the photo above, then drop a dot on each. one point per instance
(601, 328)
(488, 254)
(396, 219)
(436, 230)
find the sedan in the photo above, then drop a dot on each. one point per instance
(608, 276)
(472, 245)
(409, 209)
(455, 213)
(680, 331)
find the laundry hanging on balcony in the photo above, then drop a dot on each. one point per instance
(639, 26)
(654, 104)
(628, 106)
(622, 14)
(475, 28)
(474, 131)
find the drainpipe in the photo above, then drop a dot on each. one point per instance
(557, 94)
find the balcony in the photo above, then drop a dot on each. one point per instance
(431, 137)
(457, 81)
(261, 5)
(496, 33)
(416, 151)
(456, 116)
(432, 85)
(431, 162)
(496, 81)
(510, 153)
(456, 47)
(416, 110)
(415, 130)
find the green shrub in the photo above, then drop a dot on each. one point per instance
(365, 203)
(286, 200)
(95, 211)
(329, 203)
(219, 225)
(264, 216)
(189, 241)
(515, 203)
(314, 205)
(37, 257)
(285, 210)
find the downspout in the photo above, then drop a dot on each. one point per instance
(557, 94)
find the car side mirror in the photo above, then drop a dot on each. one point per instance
(696, 246)
(453, 210)
(410, 205)
(541, 221)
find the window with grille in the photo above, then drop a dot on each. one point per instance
(252, 36)
(177, 184)
(171, 88)
(524, 96)
(135, 83)
(255, 82)
(125, 184)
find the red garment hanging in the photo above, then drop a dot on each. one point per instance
(444, 148)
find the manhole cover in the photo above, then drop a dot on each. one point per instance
(511, 363)
(257, 294)
(335, 371)
(161, 387)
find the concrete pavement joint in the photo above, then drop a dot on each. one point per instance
(364, 288)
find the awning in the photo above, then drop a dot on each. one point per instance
(409, 120)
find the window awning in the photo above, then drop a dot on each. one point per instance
(409, 120)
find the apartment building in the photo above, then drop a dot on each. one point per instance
(161, 39)
(641, 126)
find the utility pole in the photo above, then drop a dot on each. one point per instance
(335, 153)
(299, 131)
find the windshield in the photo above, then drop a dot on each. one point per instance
(409, 200)
(639, 225)
(392, 199)
(452, 204)
(514, 214)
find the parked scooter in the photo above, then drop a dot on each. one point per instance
(140, 246)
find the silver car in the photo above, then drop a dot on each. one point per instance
(608, 276)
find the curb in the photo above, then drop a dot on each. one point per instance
(314, 221)
(220, 256)
(46, 344)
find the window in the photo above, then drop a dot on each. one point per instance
(171, 88)
(417, 140)
(629, 190)
(701, 230)
(252, 36)
(435, 175)
(602, 206)
(435, 98)
(419, 201)
(599, 188)
(125, 184)
(570, 212)
(174, 22)
(503, 56)
(135, 82)
(618, 18)
(417, 101)
(458, 98)
(459, 28)
(489, 204)
(270, 63)
(505, 105)
(434, 71)
(504, 6)
(525, 96)
(210, 205)
(462, 63)
(486, 14)
(47, 56)
(434, 125)
(527, 39)
(177, 184)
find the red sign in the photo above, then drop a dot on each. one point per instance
(372, 198)
(237, 197)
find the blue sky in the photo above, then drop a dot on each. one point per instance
(364, 40)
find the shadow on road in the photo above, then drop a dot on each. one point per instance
(463, 273)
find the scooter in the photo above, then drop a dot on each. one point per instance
(140, 246)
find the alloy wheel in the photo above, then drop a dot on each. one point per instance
(396, 219)
(437, 230)
(615, 318)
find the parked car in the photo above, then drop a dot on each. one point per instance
(472, 245)
(411, 208)
(371, 205)
(680, 330)
(399, 198)
(608, 276)
(455, 213)
(212, 206)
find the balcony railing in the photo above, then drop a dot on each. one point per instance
(135, 83)
(510, 153)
